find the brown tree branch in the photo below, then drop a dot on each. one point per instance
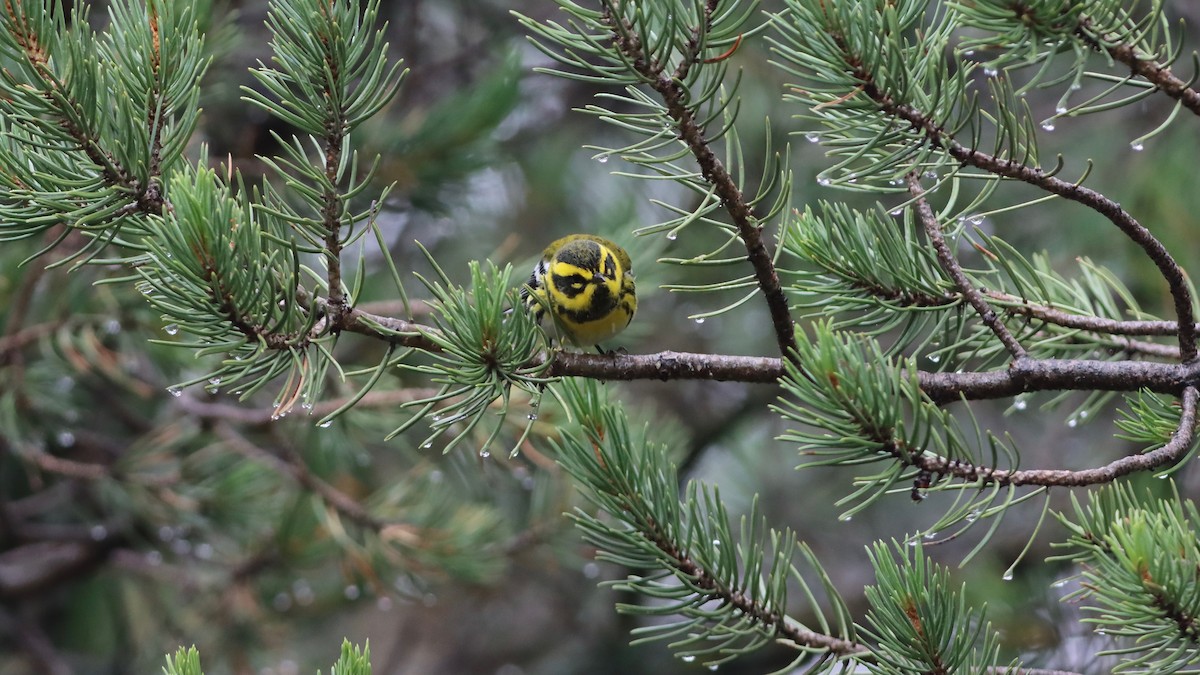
(1018, 305)
(1025, 376)
(44, 659)
(666, 365)
(294, 468)
(676, 97)
(34, 567)
(1174, 450)
(1029, 375)
(70, 468)
(933, 230)
(997, 670)
(1141, 64)
(938, 137)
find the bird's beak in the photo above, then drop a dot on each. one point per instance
(599, 278)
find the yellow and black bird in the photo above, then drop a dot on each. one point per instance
(586, 284)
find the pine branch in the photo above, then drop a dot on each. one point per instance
(1137, 553)
(704, 581)
(1141, 64)
(71, 116)
(224, 299)
(286, 463)
(409, 524)
(1023, 376)
(1008, 168)
(1171, 452)
(727, 593)
(332, 199)
(333, 75)
(933, 231)
(1096, 324)
(670, 88)
(919, 621)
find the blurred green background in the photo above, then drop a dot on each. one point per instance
(489, 162)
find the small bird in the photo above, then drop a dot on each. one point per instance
(586, 283)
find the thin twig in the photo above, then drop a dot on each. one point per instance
(1171, 452)
(1155, 250)
(69, 467)
(1018, 305)
(11, 343)
(399, 332)
(676, 98)
(1110, 333)
(933, 230)
(294, 468)
(694, 45)
(1142, 64)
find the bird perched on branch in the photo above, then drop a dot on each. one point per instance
(586, 284)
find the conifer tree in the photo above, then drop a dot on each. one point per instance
(899, 322)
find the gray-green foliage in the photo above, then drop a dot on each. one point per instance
(1138, 555)
(919, 619)
(919, 103)
(724, 589)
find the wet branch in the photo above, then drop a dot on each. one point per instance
(933, 230)
(936, 136)
(1025, 375)
(1171, 452)
(675, 96)
(1142, 64)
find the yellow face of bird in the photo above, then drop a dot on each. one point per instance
(587, 284)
